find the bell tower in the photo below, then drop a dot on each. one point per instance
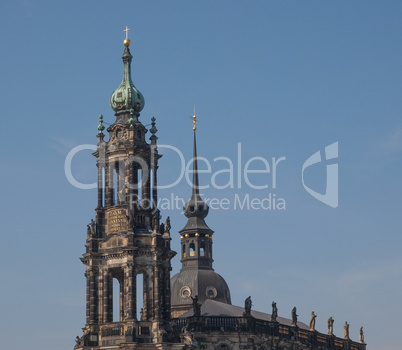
(126, 243)
(196, 280)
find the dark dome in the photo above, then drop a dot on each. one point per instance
(207, 284)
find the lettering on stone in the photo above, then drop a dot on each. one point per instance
(116, 220)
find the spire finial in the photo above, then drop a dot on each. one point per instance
(133, 118)
(126, 41)
(195, 162)
(194, 118)
(100, 126)
(153, 130)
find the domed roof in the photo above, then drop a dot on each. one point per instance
(127, 96)
(191, 282)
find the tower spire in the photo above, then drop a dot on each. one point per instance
(127, 228)
(127, 97)
(196, 209)
(195, 192)
(197, 278)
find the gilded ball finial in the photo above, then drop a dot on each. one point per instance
(194, 118)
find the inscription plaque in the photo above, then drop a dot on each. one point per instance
(116, 220)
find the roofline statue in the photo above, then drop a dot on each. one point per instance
(274, 312)
(330, 324)
(247, 306)
(294, 317)
(312, 321)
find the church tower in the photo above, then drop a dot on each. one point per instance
(196, 279)
(126, 244)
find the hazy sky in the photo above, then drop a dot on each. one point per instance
(269, 78)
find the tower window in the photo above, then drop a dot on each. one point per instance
(192, 249)
(117, 296)
(140, 297)
(211, 292)
(202, 249)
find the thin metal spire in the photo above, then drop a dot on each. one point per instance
(195, 163)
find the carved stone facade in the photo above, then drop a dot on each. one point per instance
(126, 241)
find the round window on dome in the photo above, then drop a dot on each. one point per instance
(185, 292)
(211, 292)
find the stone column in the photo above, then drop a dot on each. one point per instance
(108, 185)
(129, 181)
(121, 184)
(88, 296)
(107, 297)
(130, 293)
(146, 296)
(154, 188)
(100, 186)
(100, 293)
(134, 191)
(166, 294)
(156, 296)
(121, 298)
(146, 179)
(93, 290)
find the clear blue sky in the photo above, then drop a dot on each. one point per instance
(283, 78)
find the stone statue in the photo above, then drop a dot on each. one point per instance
(247, 306)
(167, 224)
(346, 331)
(162, 228)
(312, 321)
(274, 312)
(361, 335)
(196, 306)
(77, 338)
(88, 231)
(186, 336)
(330, 324)
(294, 317)
(92, 226)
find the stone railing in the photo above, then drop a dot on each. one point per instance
(112, 330)
(254, 326)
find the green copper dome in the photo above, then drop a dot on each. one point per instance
(126, 96)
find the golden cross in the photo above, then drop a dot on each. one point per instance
(126, 30)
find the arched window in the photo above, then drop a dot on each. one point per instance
(140, 297)
(117, 300)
